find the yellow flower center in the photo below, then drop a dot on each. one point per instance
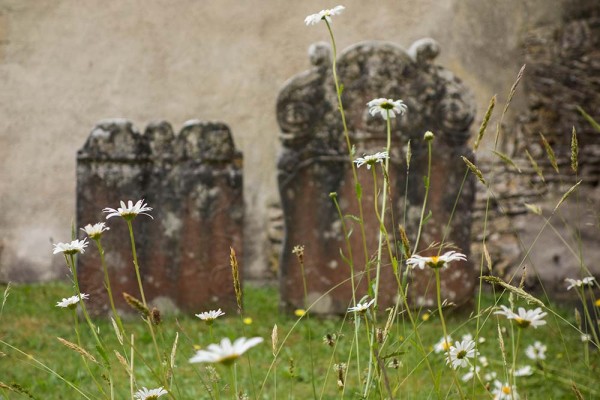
(446, 346)
(522, 323)
(435, 262)
(505, 389)
(386, 106)
(461, 354)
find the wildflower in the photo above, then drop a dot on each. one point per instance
(210, 316)
(435, 262)
(129, 211)
(428, 136)
(226, 352)
(361, 307)
(587, 281)
(524, 318)
(469, 375)
(536, 351)
(76, 246)
(490, 376)
(524, 371)
(341, 374)
(459, 354)
(395, 363)
(72, 301)
(326, 15)
(247, 321)
(330, 339)
(483, 361)
(386, 107)
(299, 313)
(597, 303)
(95, 231)
(585, 337)
(443, 345)
(504, 391)
(425, 317)
(148, 394)
(371, 160)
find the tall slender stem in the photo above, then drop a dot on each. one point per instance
(135, 262)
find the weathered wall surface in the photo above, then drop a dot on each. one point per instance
(66, 64)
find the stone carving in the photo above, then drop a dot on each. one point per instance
(314, 162)
(193, 180)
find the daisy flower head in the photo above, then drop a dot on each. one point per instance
(504, 391)
(226, 352)
(587, 281)
(129, 211)
(469, 375)
(524, 318)
(149, 394)
(459, 354)
(74, 247)
(72, 301)
(326, 15)
(443, 345)
(362, 307)
(523, 371)
(536, 351)
(371, 159)
(435, 262)
(210, 316)
(95, 231)
(386, 107)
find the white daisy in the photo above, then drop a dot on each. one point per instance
(386, 106)
(524, 371)
(129, 211)
(536, 351)
(524, 318)
(443, 345)
(372, 159)
(469, 375)
(76, 246)
(149, 394)
(483, 361)
(490, 376)
(435, 262)
(225, 352)
(587, 281)
(210, 316)
(95, 231)
(504, 391)
(72, 301)
(314, 19)
(361, 307)
(585, 337)
(459, 354)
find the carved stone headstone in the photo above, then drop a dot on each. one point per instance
(193, 181)
(314, 162)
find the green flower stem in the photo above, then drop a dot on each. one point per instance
(70, 259)
(588, 317)
(427, 185)
(514, 359)
(353, 283)
(135, 263)
(233, 378)
(438, 287)
(349, 145)
(310, 349)
(381, 218)
(141, 287)
(108, 287)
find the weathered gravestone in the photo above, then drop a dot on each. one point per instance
(193, 181)
(314, 162)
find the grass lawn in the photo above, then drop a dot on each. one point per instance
(31, 322)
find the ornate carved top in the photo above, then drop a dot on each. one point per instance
(118, 140)
(437, 100)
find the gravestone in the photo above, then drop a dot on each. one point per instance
(314, 162)
(193, 182)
